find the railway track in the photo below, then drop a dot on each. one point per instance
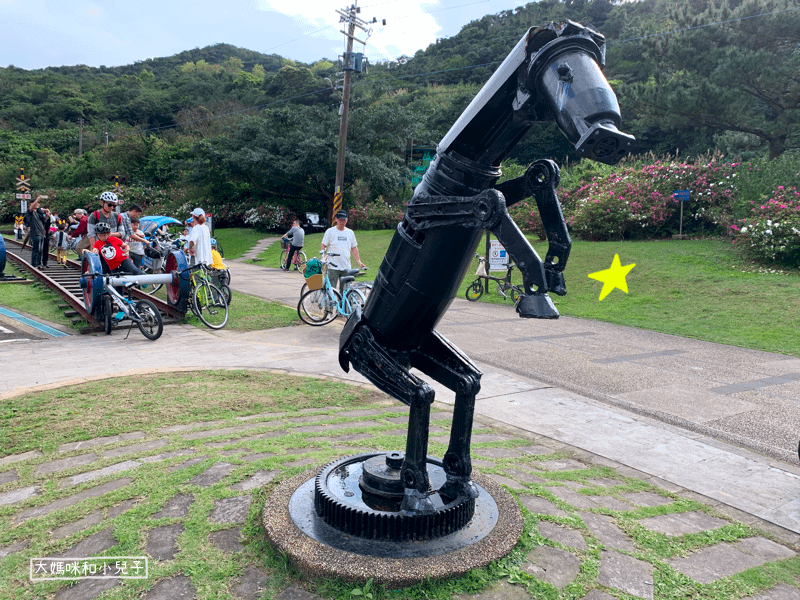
(66, 283)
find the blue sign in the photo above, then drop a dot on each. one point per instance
(681, 195)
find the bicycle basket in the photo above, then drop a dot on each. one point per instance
(315, 282)
(313, 267)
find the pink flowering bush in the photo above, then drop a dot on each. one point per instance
(526, 216)
(637, 202)
(772, 232)
(374, 216)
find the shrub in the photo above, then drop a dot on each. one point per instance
(374, 216)
(772, 232)
(636, 202)
(266, 217)
(526, 216)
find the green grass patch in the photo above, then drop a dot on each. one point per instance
(237, 241)
(43, 420)
(144, 402)
(249, 313)
(32, 299)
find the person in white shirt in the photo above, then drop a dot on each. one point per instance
(340, 240)
(199, 239)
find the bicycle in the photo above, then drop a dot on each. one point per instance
(321, 306)
(207, 301)
(154, 258)
(477, 288)
(142, 312)
(298, 260)
(365, 287)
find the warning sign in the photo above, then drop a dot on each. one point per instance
(498, 257)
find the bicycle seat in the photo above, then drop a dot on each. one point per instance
(345, 280)
(353, 272)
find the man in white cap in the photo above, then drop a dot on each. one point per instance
(340, 240)
(199, 239)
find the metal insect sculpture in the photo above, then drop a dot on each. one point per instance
(554, 73)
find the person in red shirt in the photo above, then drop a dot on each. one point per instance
(83, 219)
(113, 252)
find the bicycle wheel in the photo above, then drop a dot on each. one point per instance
(475, 290)
(149, 319)
(354, 297)
(107, 315)
(284, 253)
(316, 307)
(192, 292)
(210, 305)
(516, 293)
(226, 291)
(299, 260)
(225, 277)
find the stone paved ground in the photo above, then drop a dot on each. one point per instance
(189, 499)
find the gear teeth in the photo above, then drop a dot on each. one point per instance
(385, 526)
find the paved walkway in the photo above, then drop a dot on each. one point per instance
(559, 400)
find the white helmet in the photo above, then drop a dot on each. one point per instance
(108, 197)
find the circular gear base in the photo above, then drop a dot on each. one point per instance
(361, 496)
(318, 550)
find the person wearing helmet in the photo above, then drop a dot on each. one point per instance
(106, 214)
(216, 257)
(113, 251)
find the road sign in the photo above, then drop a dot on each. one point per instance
(681, 195)
(23, 184)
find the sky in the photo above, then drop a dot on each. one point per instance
(51, 33)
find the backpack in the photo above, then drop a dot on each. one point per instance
(97, 217)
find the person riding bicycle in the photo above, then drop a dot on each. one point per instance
(295, 236)
(113, 251)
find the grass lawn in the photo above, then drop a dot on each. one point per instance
(236, 241)
(279, 444)
(33, 300)
(700, 289)
(248, 313)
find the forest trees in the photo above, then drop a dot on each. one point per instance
(735, 68)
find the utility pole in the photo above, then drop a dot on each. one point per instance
(350, 62)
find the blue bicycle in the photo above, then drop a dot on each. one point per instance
(322, 305)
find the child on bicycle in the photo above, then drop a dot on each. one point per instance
(295, 236)
(219, 271)
(113, 251)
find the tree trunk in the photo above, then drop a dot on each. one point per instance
(777, 146)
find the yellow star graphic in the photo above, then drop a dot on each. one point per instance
(613, 277)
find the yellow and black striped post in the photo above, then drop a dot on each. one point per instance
(337, 205)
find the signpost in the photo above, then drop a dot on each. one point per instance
(681, 196)
(496, 254)
(23, 190)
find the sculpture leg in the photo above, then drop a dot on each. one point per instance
(445, 363)
(391, 375)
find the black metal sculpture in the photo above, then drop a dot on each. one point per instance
(554, 73)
